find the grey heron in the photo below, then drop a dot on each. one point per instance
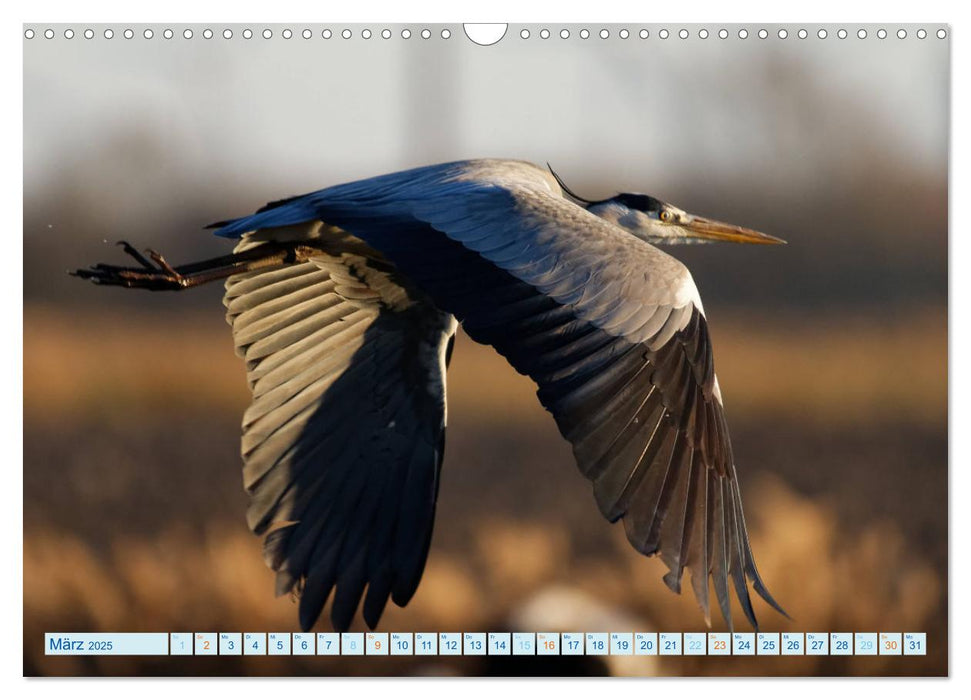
(344, 304)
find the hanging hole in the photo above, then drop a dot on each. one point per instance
(485, 34)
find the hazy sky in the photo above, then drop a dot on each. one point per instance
(306, 112)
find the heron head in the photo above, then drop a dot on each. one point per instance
(658, 222)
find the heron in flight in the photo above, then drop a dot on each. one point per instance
(344, 304)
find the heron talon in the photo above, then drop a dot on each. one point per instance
(163, 264)
(139, 258)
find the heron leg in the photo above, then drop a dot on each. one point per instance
(156, 274)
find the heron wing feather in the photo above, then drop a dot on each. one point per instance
(343, 442)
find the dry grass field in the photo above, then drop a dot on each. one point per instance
(133, 515)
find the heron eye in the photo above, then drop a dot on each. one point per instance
(664, 215)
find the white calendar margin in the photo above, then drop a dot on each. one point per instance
(11, 644)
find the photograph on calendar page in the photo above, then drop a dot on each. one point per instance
(485, 350)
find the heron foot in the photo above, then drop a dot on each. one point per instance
(159, 276)
(155, 273)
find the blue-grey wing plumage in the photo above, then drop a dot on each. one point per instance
(343, 442)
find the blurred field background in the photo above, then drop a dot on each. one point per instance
(831, 352)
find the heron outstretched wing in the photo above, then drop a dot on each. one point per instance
(610, 328)
(343, 442)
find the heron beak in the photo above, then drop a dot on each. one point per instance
(700, 227)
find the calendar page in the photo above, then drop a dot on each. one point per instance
(528, 349)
